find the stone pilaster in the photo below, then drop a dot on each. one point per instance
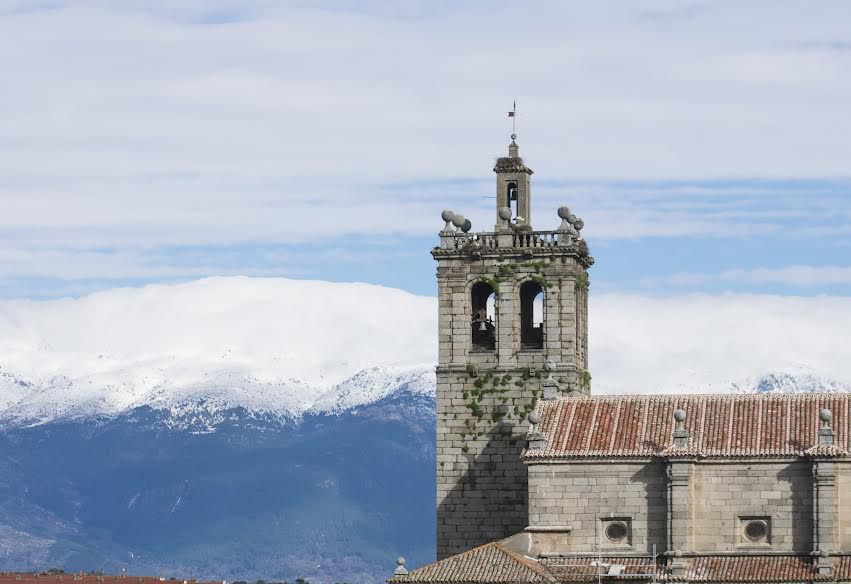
(825, 513)
(680, 505)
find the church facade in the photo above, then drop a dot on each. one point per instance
(539, 480)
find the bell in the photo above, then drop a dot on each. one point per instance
(482, 326)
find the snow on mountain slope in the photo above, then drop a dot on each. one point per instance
(269, 345)
(800, 379)
(286, 347)
(373, 384)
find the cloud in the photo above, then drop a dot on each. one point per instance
(794, 276)
(707, 342)
(271, 329)
(146, 124)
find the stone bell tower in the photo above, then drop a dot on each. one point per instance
(512, 330)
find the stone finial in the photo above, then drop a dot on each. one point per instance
(505, 213)
(678, 566)
(447, 216)
(680, 432)
(566, 227)
(458, 221)
(550, 366)
(826, 436)
(549, 385)
(468, 225)
(534, 437)
(400, 567)
(534, 419)
(824, 563)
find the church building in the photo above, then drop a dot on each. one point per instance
(541, 481)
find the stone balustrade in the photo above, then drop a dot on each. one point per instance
(494, 240)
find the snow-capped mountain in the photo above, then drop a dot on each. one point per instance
(271, 346)
(796, 380)
(247, 428)
(282, 348)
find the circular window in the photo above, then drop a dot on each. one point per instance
(615, 531)
(756, 530)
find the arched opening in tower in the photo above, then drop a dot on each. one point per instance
(483, 331)
(511, 198)
(531, 316)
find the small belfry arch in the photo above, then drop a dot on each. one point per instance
(483, 304)
(531, 315)
(511, 197)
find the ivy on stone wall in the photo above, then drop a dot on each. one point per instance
(495, 386)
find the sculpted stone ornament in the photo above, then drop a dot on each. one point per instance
(534, 419)
(458, 220)
(549, 385)
(549, 367)
(401, 570)
(535, 438)
(447, 216)
(566, 227)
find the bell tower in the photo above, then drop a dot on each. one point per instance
(513, 330)
(513, 186)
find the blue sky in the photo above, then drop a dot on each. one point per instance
(706, 144)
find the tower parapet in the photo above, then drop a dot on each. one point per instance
(510, 300)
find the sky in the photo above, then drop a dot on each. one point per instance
(705, 144)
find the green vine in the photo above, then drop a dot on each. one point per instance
(586, 379)
(581, 281)
(486, 384)
(541, 281)
(492, 282)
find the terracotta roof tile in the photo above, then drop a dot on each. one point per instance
(752, 569)
(584, 569)
(719, 425)
(487, 564)
(492, 563)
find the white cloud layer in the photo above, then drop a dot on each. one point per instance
(276, 341)
(709, 342)
(140, 124)
(796, 276)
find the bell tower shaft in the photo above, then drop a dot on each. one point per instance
(513, 329)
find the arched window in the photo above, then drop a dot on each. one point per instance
(511, 198)
(531, 316)
(484, 316)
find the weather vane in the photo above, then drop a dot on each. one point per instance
(513, 115)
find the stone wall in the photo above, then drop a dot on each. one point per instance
(483, 396)
(580, 495)
(723, 495)
(781, 491)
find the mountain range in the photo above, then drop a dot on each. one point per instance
(230, 428)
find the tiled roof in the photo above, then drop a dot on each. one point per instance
(487, 564)
(718, 425)
(752, 569)
(493, 563)
(584, 569)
